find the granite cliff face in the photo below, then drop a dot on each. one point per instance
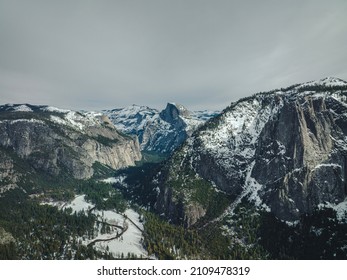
(55, 142)
(158, 131)
(284, 151)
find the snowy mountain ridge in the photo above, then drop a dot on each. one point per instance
(73, 119)
(327, 82)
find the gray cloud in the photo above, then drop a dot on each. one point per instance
(203, 54)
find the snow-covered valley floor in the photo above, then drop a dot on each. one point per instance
(119, 234)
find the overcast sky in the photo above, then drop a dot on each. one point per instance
(203, 54)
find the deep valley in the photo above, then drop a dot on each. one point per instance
(266, 178)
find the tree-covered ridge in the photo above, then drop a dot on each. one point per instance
(250, 234)
(43, 231)
(103, 195)
(167, 241)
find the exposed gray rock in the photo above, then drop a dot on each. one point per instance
(193, 212)
(5, 237)
(8, 176)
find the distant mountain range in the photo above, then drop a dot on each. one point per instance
(158, 131)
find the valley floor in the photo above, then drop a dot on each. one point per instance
(117, 233)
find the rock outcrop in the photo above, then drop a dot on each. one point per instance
(56, 142)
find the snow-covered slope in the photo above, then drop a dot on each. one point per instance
(73, 119)
(284, 151)
(158, 131)
(132, 119)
